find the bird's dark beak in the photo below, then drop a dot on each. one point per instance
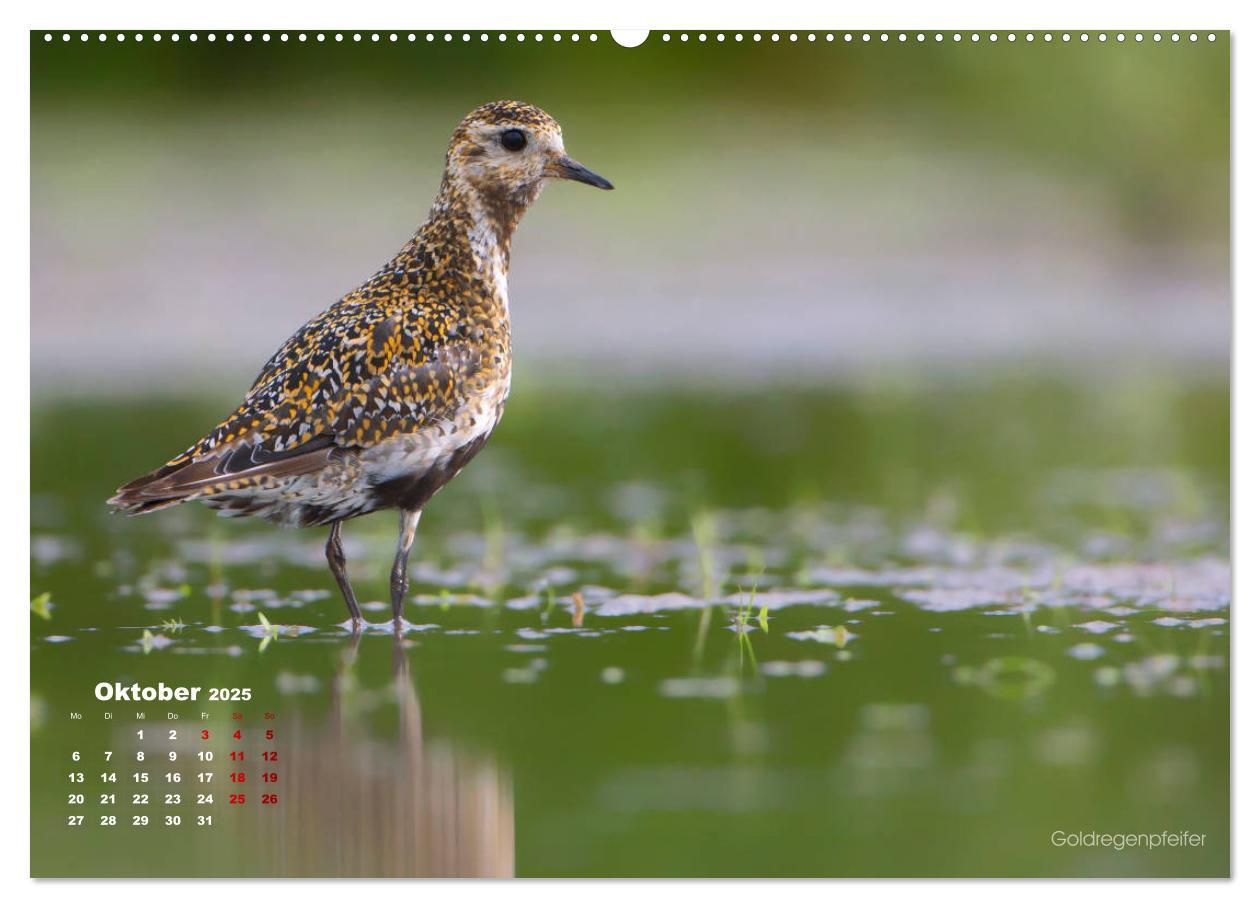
(565, 168)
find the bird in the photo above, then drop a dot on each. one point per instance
(377, 402)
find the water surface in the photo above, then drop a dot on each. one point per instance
(904, 628)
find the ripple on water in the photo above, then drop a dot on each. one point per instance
(720, 688)
(259, 631)
(1169, 621)
(1098, 627)
(525, 674)
(290, 684)
(805, 668)
(771, 600)
(1161, 673)
(1183, 586)
(1008, 677)
(1086, 651)
(612, 674)
(837, 636)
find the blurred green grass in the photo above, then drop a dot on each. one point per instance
(1146, 124)
(990, 447)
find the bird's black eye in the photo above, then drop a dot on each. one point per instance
(513, 139)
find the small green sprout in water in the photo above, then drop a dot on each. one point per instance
(174, 625)
(150, 641)
(270, 632)
(40, 606)
(741, 625)
(756, 560)
(742, 616)
(444, 600)
(745, 643)
(704, 534)
(549, 602)
(1028, 602)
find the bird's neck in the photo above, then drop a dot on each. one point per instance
(482, 221)
(459, 256)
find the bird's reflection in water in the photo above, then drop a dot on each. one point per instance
(361, 805)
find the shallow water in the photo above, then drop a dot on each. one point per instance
(902, 629)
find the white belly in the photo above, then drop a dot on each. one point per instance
(426, 450)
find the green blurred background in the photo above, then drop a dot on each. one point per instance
(923, 346)
(903, 205)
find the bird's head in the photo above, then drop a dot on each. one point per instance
(507, 150)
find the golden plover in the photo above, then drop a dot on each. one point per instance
(384, 397)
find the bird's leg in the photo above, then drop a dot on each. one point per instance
(337, 563)
(407, 524)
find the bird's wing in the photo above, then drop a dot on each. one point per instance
(408, 396)
(352, 377)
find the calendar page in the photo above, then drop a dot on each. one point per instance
(197, 779)
(781, 453)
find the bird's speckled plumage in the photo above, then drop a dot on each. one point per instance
(382, 398)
